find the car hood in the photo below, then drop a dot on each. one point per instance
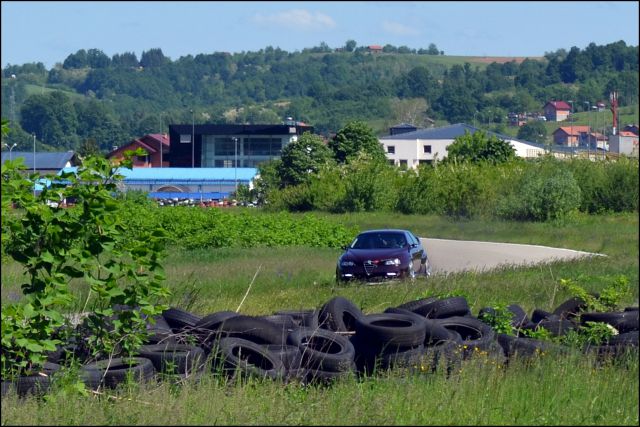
(362, 255)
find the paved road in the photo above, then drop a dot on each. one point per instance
(450, 256)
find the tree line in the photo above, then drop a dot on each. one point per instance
(93, 100)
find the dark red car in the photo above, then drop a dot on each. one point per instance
(384, 254)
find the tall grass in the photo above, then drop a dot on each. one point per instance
(571, 391)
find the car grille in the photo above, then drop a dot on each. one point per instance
(369, 266)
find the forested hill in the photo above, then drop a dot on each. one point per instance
(92, 98)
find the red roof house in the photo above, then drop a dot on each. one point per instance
(556, 111)
(155, 145)
(571, 136)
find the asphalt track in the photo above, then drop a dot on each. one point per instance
(452, 256)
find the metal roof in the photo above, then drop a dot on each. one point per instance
(183, 175)
(452, 132)
(44, 160)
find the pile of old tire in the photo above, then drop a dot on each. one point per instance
(568, 316)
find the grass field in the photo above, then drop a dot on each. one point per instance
(571, 391)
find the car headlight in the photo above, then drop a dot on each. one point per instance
(395, 261)
(347, 263)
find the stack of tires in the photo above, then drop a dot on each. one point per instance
(334, 341)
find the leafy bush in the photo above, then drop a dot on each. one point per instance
(546, 191)
(90, 242)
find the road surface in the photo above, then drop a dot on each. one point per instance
(451, 256)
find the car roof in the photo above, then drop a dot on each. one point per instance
(384, 230)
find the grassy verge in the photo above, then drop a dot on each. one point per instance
(572, 391)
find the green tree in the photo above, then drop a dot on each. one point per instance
(350, 45)
(303, 158)
(478, 147)
(354, 138)
(433, 49)
(534, 131)
(153, 58)
(52, 118)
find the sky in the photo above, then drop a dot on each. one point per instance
(49, 31)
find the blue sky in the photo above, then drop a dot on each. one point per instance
(49, 31)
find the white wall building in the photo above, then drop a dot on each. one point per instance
(624, 143)
(423, 146)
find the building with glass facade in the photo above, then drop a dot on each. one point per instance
(228, 146)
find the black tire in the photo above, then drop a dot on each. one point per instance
(255, 329)
(206, 330)
(247, 358)
(112, 372)
(527, 347)
(322, 349)
(339, 315)
(474, 333)
(392, 329)
(174, 358)
(436, 334)
(284, 321)
(572, 307)
(32, 385)
(625, 339)
(623, 321)
(289, 355)
(420, 306)
(399, 310)
(557, 327)
(538, 315)
(178, 319)
(402, 357)
(303, 318)
(448, 307)
(519, 317)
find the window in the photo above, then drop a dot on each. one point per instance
(185, 138)
(391, 162)
(391, 149)
(425, 162)
(427, 149)
(403, 163)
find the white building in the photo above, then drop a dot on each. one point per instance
(423, 146)
(624, 143)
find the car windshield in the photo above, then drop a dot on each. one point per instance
(379, 241)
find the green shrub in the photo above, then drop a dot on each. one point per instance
(546, 191)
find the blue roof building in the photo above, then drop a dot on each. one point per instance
(187, 183)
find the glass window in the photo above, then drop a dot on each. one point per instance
(391, 149)
(185, 138)
(427, 149)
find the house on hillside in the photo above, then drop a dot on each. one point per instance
(44, 163)
(556, 111)
(424, 146)
(374, 48)
(155, 145)
(571, 136)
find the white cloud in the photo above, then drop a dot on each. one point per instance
(299, 19)
(399, 29)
